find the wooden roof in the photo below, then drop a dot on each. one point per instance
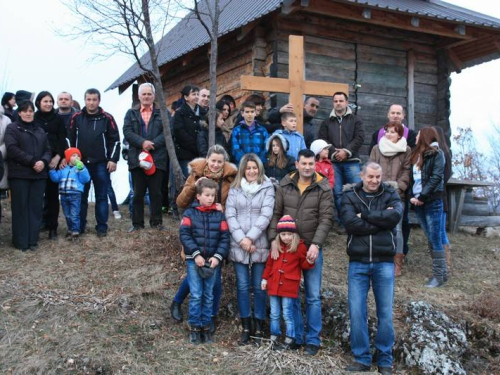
(470, 38)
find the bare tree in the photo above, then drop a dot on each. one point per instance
(130, 27)
(208, 13)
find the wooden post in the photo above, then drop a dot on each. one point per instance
(296, 76)
(411, 90)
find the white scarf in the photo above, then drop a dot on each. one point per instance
(388, 148)
(249, 188)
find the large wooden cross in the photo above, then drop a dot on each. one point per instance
(295, 85)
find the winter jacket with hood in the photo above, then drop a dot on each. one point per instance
(55, 129)
(186, 129)
(371, 237)
(343, 132)
(71, 180)
(134, 131)
(310, 127)
(274, 172)
(249, 216)
(96, 136)
(26, 144)
(196, 171)
(432, 175)
(394, 168)
(295, 142)
(4, 122)
(204, 232)
(283, 274)
(312, 210)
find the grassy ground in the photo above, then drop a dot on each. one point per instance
(101, 306)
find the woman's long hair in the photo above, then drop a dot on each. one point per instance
(292, 248)
(426, 136)
(243, 166)
(279, 160)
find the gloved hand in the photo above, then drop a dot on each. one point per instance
(79, 165)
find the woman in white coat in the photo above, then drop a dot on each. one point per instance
(249, 208)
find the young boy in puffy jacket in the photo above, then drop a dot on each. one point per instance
(72, 180)
(204, 235)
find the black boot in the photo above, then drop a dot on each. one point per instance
(245, 334)
(195, 336)
(439, 270)
(175, 311)
(259, 327)
(213, 325)
(206, 335)
(53, 234)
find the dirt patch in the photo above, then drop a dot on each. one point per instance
(101, 306)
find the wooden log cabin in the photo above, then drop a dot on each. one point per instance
(386, 51)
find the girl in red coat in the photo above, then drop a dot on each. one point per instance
(323, 164)
(281, 278)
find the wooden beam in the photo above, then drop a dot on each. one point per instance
(296, 74)
(265, 84)
(411, 90)
(455, 60)
(245, 30)
(387, 18)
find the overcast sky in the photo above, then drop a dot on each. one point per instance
(33, 57)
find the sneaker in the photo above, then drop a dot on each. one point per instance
(358, 367)
(117, 215)
(311, 349)
(385, 370)
(75, 235)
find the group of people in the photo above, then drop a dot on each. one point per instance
(269, 213)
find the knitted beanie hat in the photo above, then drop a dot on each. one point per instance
(70, 151)
(146, 162)
(286, 224)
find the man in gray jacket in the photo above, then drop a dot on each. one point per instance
(143, 130)
(307, 197)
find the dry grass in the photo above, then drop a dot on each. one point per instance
(101, 306)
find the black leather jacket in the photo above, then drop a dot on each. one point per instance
(371, 237)
(432, 175)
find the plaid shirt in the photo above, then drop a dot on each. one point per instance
(146, 115)
(245, 140)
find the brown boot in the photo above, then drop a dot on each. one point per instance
(398, 264)
(447, 255)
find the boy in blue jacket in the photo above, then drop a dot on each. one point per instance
(249, 136)
(72, 180)
(295, 139)
(204, 234)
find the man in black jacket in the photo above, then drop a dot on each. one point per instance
(345, 131)
(95, 133)
(370, 211)
(143, 130)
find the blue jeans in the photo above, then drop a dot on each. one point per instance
(444, 235)
(381, 277)
(202, 296)
(112, 197)
(70, 204)
(183, 291)
(249, 277)
(430, 217)
(345, 173)
(99, 175)
(277, 303)
(312, 285)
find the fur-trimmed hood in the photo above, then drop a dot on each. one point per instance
(197, 166)
(283, 140)
(347, 112)
(388, 185)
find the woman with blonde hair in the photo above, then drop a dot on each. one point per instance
(249, 209)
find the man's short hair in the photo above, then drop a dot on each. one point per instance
(65, 93)
(309, 98)
(371, 165)
(92, 92)
(286, 115)
(393, 104)
(306, 153)
(340, 93)
(147, 84)
(206, 183)
(248, 104)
